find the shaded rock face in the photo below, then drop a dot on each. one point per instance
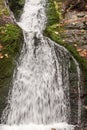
(79, 5)
(75, 24)
(11, 40)
(73, 85)
(62, 32)
(76, 28)
(4, 20)
(73, 78)
(16, 7)
(79, 128)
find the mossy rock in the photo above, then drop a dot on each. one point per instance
(6, 71)
(55, 31)
(11, 39)
(3, 9)
(52, 14)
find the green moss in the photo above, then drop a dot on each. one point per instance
(6, 71)
(54, 30)
(11, 39)
(52, 14)
(3, 9)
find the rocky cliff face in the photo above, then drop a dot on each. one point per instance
(75, 31)
(69, 31)
(68, 27)
(11, 40)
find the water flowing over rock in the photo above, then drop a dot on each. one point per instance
(41, 83)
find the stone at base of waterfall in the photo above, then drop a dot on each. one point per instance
(53, 129)
(78, 128)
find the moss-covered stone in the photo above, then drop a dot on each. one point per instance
(52, 14)
(3, 9)
(55, 31)
(11, 40)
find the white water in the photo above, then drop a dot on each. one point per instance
(79, 92)
(60, 126)
(38, 94)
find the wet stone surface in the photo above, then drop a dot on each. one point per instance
(75, 34)
(78, 128)
(76, 28)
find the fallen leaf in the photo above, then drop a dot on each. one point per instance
(6, 55)
(56, 33)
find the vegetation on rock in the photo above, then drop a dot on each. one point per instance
(55, 30)
(11, 40)
(3, 9)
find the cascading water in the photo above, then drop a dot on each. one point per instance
(40, 93)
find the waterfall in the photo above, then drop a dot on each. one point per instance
(39, 98)
(79, 92)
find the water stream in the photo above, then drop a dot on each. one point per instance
(39, 98)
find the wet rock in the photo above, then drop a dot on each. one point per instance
(80, 15)
(85, 23)
(76, 28)
(11, 40)
(79, 128)
(75, 24)
(76, 36)
(53, 129)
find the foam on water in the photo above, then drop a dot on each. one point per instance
(59, 126)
